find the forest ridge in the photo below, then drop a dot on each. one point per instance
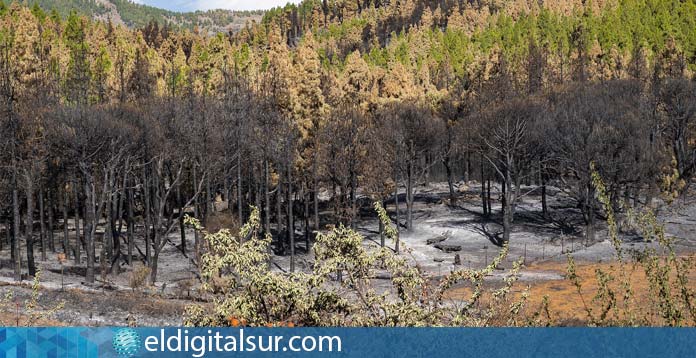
(134, 15)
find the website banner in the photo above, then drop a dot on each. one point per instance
(347, 342)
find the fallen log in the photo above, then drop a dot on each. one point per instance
(448, 247)
(436, 240)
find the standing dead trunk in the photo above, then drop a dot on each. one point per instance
(426, 177)
(122, 199)
(409, 196)
(182, 227)
(8, 234)
(508, 209)
(90, 224)
(291, 224)
(107, 249)
(257, 194)
(148, 216)
(381, 228)
(467, 167)
(51, 218)
(42, 225)
(589, 227)
(279, 215)
(115, 236)
(503, 198)
(158, 204)
(589, 215)
(398, 215)
(267, 206)
(66, 238)
(266, 198)
(227, 190)
(155, 260)
(78, 238)
(131, 226)
(305, 201)
(353, 198)
(315, 194)
(29, 224)
(7, 92)
(488, 196)
(542, 180)
(209, 201)
(197, 214)
(15, 230)
(336, 204)
(240, 210)
(484, 204)
(446, 161)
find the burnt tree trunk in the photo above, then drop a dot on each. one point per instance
(90, 224)
(42, 225)
(78, 238)
(197, 214)
(131, 227)
(542, 180)
(508, 210)
(446, 161)
(209, 204)
(66, 238)
(107, 249)
(398, 212)
(467, 167)
(182, 227)
(51, 218)
(8, 233)
(315, 194)
(488, 196)
(267, 206)
(17, 259)
(589, 214)
(381, 228)
(29, 224)
(266, 197)
(148, 216)
(409, 195)
(484, 205)
(291, 224)
(240, 210)
(305, 201)
(279, 213)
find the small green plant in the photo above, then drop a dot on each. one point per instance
(27, 313)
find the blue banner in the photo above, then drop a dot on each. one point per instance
(348, 342)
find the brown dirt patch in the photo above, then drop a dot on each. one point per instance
(568, 307)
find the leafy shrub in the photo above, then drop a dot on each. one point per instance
(670, 300)
(341, 289)
(138, 277)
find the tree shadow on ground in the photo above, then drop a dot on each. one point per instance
(496, 238)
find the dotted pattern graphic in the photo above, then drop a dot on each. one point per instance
(126, 342)
(55, 342)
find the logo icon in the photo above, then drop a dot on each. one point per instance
(126, 342)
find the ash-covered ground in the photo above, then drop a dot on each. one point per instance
(460, 228)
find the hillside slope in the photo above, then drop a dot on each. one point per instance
(131, 14)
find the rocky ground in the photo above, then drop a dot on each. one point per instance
(459, 230)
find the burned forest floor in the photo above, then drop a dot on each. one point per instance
(444, 237)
